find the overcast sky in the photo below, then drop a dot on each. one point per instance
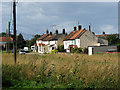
(34, 18)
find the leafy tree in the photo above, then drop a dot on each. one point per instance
(113, 39)
(21, 43)
(3, 34)
(33, 40)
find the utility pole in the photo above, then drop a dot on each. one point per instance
(9, 37)
(14, 30)
(6, 42)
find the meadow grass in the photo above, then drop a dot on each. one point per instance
(60, 71)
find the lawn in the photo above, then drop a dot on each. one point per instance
(60, 71)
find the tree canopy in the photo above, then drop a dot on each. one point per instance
(33, 40)
(113, 39)
(21, 43)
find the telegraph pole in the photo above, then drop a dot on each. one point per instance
(9, 37)
(6, 42)
(14, 30)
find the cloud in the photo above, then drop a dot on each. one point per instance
(64, 0)
(35, 18)
(108, 29)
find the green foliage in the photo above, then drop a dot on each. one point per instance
(61, 48)
(3, 34)
(113, 39)
(21, 43)
(53, 51)
(33, 40)
(76, 50)
(86, 50)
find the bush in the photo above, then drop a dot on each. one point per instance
(61, 48)
(76, 50)
(86, 50)
(53, 51)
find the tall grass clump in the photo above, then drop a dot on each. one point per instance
(60, 71)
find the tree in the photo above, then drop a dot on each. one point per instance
(33, 40)
(21, 43)
(113, 39)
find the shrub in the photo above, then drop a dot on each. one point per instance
(76, 50)
(61, 48)
(53, 51)
(86, 50)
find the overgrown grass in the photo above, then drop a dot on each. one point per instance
(60, 71)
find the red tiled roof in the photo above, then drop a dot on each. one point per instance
(70, 35)
(82, 33)
(76, 34)
(102, 35)
(43, 36)
(6, 39)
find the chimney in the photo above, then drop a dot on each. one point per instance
(79, 27)
(93, 33)
(50, 33)
(63, 30)
(89, 28)
(56, 31)
(75, 28)
(47, 31)
(103, 32)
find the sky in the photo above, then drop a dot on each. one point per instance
(35, 17)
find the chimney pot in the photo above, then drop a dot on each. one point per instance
(79, 27)
(47, 31)
(50, 33)
(103, 32)
(63, 30)
(90, 28)
(75, 28)
(56, 31)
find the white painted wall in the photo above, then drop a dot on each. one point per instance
(45, 42)
(67, 43)
(89, 50)
(78, 43)
(53, 42)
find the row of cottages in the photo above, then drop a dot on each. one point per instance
(82, 38)
(49, 41)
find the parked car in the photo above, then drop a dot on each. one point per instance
(112, 51)
(22, 52)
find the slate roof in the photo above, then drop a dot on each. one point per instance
(52, 37)
(48, 38)
(43, 36)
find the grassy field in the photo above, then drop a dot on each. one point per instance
(60, 71)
